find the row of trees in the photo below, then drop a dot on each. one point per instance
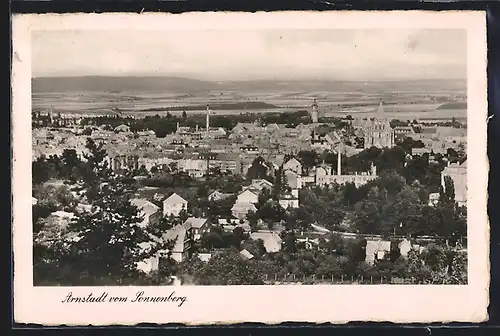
(383, 206)
(335, 258)
(163, 125)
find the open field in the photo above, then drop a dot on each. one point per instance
(420, 99)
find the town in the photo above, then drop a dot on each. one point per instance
(264, 198)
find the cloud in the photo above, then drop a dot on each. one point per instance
(247, 54)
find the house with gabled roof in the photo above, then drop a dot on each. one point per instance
(248, 196)
(272, 241)
(258, 185)
(293, 165)
(217, 196)
(199, 226)
(150, 213)
(183, 242)
(182, 238)
(173, 205)
(293, 180)
(241, 209)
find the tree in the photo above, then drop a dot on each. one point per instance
(289, 242)
(309, 159)
(335, 244)
(202, 191)
(258, 170)
(108, 240)
(255, 247)
(435, 257)
(238, 236)
(409, 143)
(211, 240)
(367, 216)
(459, 269)
(355, 253)
(228, 268)
(280, 183)
(271, 212)
(71, 162)
(253, 220)
(447, 194)
(298, 218)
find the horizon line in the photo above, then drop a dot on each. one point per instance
(251, 80)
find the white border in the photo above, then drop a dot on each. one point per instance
(268, 304)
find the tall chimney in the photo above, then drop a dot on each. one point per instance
(339, 164)
(177, 126)
(208, 119)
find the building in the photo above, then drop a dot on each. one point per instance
(378, 131)
(293, 180)
(247, 255)
(199, 226)
(225, 162)
(173, 205)
(248, 196)
(258, 185)
(183, 242)
(404, 248)
(376, 250)
(403, 131)
(433, 199)
(314, 112)
(151, 214)
(119, 161)
(290, 200)
(325, 177)
(217, 196)
(458, 174)
(194, 167)
(181, 249)
(241, 209)
(150, 162)
(293, 165)
(272, 241)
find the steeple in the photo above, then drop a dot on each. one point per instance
(380, 110)
(314, 112)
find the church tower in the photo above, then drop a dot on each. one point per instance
(314, 112)
(378, 131)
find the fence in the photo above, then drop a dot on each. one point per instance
(279, 279)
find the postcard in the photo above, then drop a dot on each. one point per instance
(220, 168)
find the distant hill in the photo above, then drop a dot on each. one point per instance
(180, 85)
(453, 106)
(118, 84)
(218, 106)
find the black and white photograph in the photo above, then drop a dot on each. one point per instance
(210, 156)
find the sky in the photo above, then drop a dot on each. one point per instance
(253, 54)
